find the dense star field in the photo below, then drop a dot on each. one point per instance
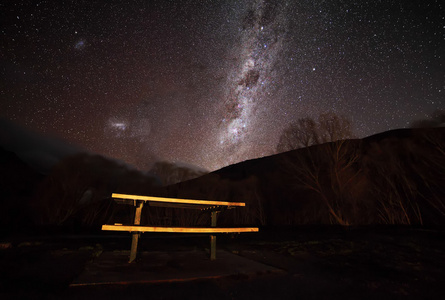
(212, 83)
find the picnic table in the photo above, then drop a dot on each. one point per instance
(214, 207)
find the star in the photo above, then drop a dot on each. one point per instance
(216, 83)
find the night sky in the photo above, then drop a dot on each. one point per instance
(211, 83)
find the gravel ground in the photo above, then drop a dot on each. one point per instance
(316, 262)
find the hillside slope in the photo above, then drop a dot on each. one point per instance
(396, 177)
(18, 183)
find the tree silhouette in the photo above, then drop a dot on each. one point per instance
(305, 132)
(330, 170)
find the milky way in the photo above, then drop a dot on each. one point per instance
(247, 87)
(214, 83)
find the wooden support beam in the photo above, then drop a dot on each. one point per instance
(135, 235)
(214, 217)
(134, 228)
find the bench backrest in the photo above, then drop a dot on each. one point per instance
(175, 202)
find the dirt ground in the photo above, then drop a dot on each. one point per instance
(314, 263)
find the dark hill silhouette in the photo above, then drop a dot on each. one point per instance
(39, 151)
(171, 173)
(396, 177)
(18, 184)
(77, 191)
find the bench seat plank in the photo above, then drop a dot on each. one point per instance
(133, 228)
(205, 203)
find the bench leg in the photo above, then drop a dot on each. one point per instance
(213, 237)
(212, 247)
(135, 236)
(134, 246)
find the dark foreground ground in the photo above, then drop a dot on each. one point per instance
(302, 263)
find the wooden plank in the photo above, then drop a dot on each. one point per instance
(176, 200)
(135, 235)
(133, 228)
(137, 215)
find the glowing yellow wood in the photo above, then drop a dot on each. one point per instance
(175, 200)
(135, 235)
(132, 228)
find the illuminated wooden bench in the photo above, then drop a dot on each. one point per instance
(214, 207)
